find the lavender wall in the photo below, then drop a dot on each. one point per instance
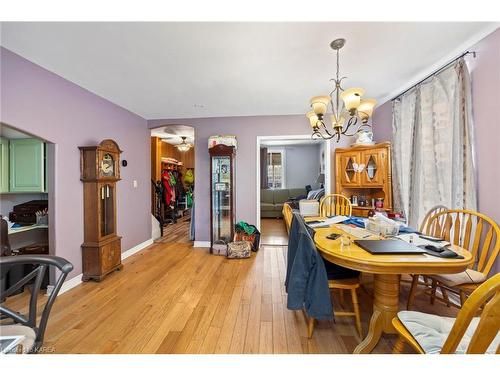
(246, 130)
(485, 73)
(382, 122)
(39, 102)
(302, 164)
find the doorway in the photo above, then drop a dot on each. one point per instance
(288, 168)
(27, 197)
(172, 183)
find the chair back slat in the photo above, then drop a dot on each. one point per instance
(471, 230)
(457, 230)
(477, 238)
(447, 228)
(433, 211)
(488, 325)
(485, 249)
(468, 229)
(335, 204)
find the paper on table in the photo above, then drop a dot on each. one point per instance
(329, 221)
(355, 231)
(417, 241)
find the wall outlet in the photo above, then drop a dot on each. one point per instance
(134, 183)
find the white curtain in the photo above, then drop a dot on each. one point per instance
(433, 155)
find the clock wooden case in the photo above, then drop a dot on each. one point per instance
(100, 171)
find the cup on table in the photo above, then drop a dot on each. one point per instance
(345, 240)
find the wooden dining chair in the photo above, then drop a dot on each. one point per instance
(335, 204)
(433, 211)
(287, 216)
(426, 282)
(432, 334)
(331, 205)
(473, 231)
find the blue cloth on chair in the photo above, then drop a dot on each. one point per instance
(306, 277)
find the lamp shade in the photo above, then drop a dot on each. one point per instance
(319, 104)
(337, 122)
(365, 109)
(352, 98)
(313, 118)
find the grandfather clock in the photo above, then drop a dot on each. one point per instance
(100, 170)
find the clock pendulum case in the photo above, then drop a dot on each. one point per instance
(100, 171)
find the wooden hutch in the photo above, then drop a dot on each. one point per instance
(364, 170)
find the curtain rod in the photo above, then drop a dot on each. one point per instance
(435, 72)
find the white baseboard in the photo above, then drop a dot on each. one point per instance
(201, 244)
(136, 248)
(71, 283)
(77, 280)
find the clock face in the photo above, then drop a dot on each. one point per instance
(107, 166)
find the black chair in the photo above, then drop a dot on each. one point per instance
(27, 325)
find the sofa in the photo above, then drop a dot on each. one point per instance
(272, 200)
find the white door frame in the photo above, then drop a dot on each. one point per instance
(261, 138)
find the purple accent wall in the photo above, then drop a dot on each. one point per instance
(41, 103)
(485, 74)
(246, 130)
(382, 122)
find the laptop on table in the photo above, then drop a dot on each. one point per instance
(389, 247)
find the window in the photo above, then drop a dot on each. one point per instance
(275, 169)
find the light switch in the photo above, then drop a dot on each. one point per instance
(135, 183)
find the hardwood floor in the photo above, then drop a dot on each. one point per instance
(172, 298)
(273, 232)
(178, 232)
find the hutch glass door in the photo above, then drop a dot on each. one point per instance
(221, 199)
(107, 210)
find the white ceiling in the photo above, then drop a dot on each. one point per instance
(172, 133)
(177, 70)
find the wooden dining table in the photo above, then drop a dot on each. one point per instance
(387, 271)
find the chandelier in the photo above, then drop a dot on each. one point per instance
(349, 111)
(183, 146)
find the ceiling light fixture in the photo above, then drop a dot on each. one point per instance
(183, 146)
(352, 108)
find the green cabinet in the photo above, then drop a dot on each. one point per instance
(4, 165)
(27, 165)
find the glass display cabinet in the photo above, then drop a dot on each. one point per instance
(222, 197)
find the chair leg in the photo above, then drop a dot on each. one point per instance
(445, 296)
(433, 291)
(310, 327)
(341, 294)
(463, 297)
(399, 346)
(357, 315)
(413, 290)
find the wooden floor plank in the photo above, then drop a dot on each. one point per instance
(173, 298)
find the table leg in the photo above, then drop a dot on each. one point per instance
(385, 308)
